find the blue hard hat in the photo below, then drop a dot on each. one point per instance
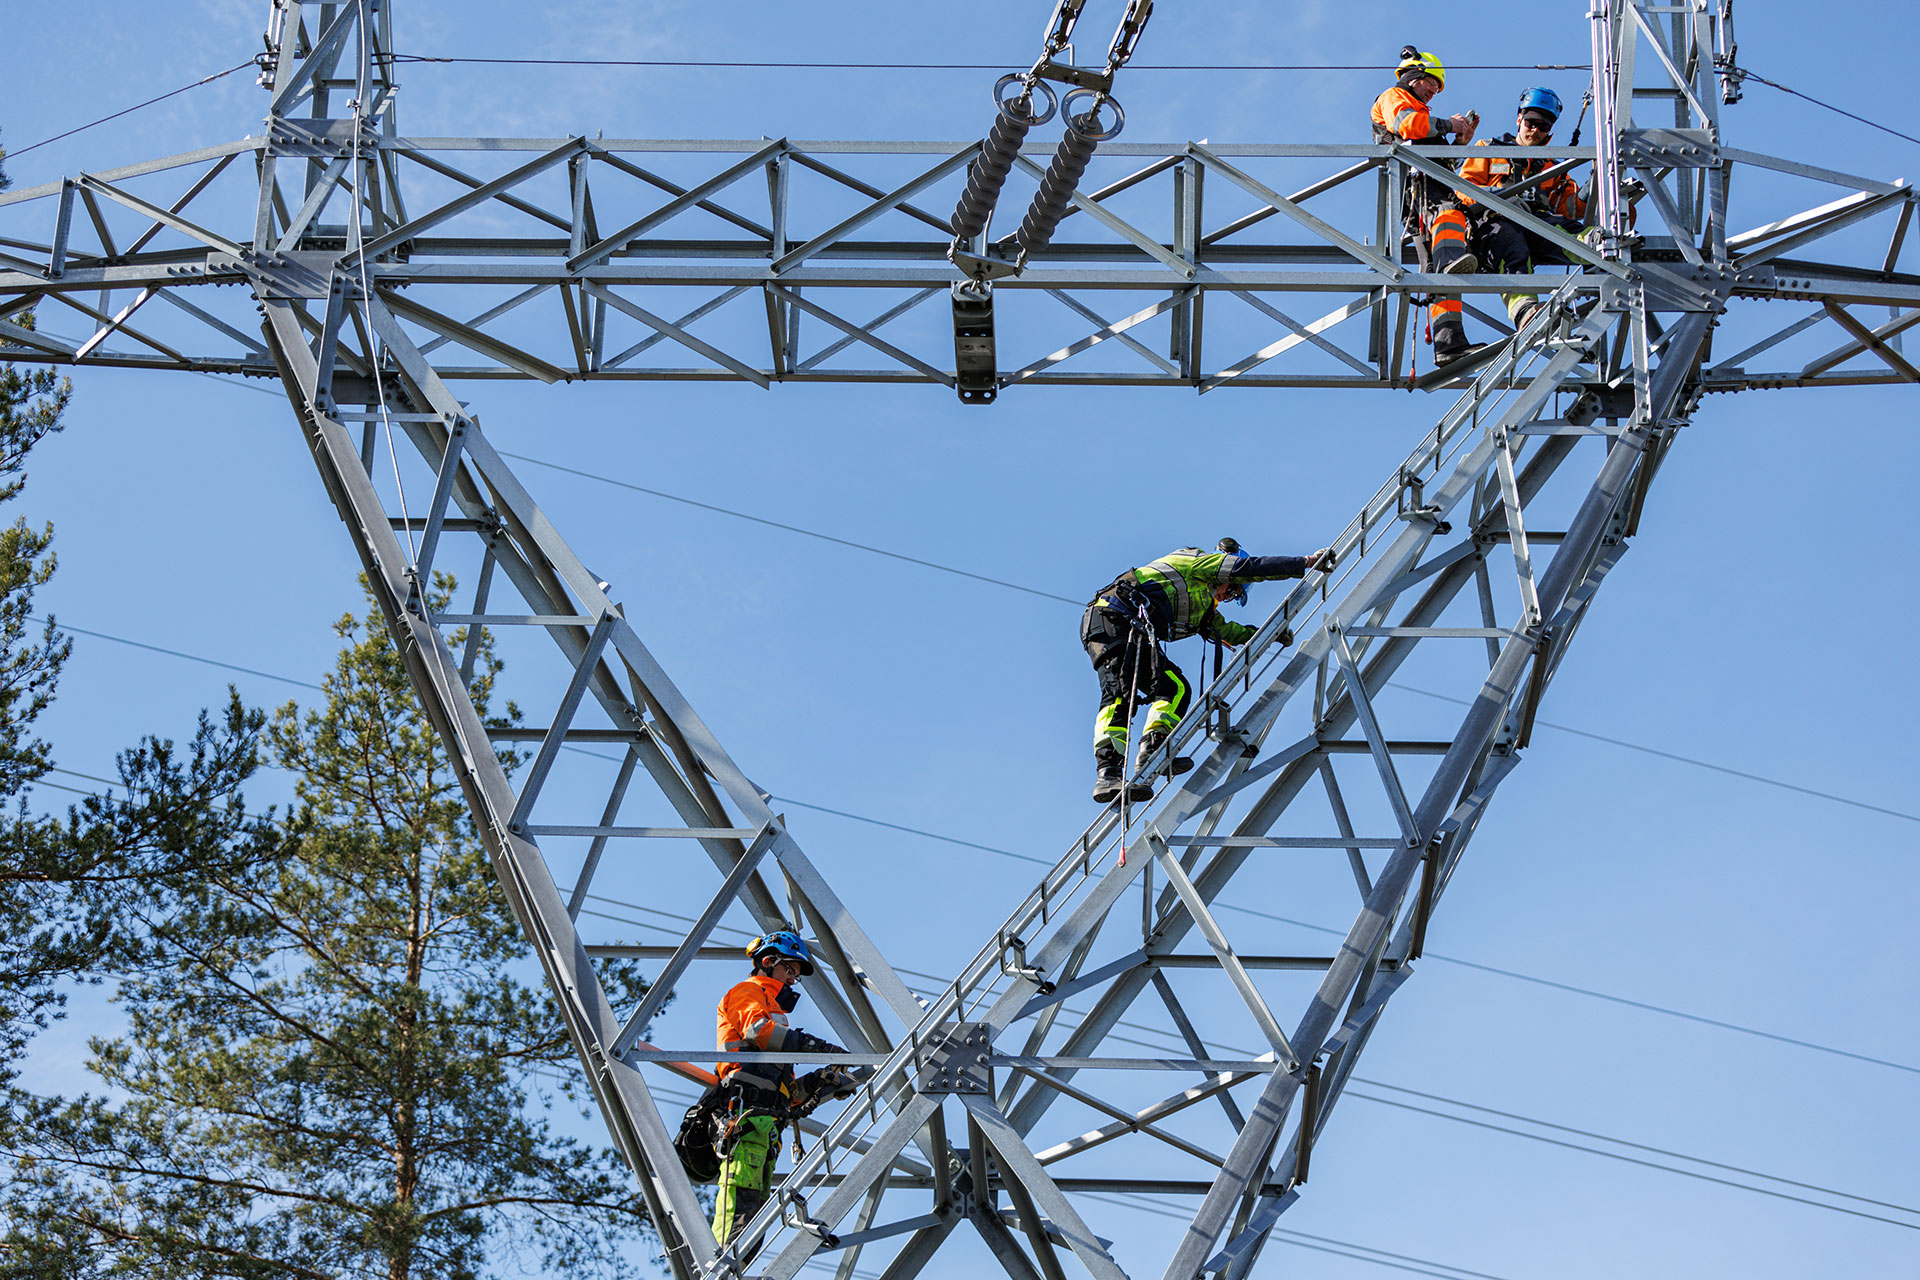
(783, 942)
(1538, 99)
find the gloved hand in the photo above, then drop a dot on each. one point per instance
(816, 1087)
(801, 1042)
(1323, 560)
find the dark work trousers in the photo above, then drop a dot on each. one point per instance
(1510, 247)
(1133, 670)
(1506, 248)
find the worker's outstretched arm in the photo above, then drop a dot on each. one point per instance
(1267, 568)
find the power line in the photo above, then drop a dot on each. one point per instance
(176, 653)
(1431, 955)
(130, 110)
(1048, 595)
(1637, 1146)
(1378, 1084)
(790, 528)
(1431, 1097)
(1162, 1208)
(1741, 73)
(1601, 995)
(1696, 763)
(416, 58)
(1023, 857)
(1649, 1164)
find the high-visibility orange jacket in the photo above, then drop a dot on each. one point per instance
(1561, 195)
(750, 1020)
(1400, 116)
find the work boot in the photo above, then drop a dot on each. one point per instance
(1464, 265)
(1109, 774)
(1150, 743)
(1450, 342)
(1525, 313)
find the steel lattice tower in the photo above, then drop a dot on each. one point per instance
(1487, 546)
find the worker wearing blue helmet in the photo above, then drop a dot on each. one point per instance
(759, 1097)
(1507, 247)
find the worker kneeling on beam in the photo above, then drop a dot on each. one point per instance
(759, 1096)
(1434, 215)
(1506, 247)
(1126, 623)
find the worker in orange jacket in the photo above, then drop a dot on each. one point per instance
(752, 1018)
(1434, 213)
(1507, 247)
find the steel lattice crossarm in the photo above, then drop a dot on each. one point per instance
(770, 261)
(1002, 1102)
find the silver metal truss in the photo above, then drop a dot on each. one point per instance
(1006, 1101)
(784, 260)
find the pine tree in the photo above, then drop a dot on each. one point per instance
(331, 1050)
(71, 888)
(65, 885)
(31, 406)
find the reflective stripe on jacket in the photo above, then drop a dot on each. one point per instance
(1177, 590)
(1400, 116)
(749, 1020)
(1561, 195)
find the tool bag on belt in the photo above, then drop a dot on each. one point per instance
(698, 1142)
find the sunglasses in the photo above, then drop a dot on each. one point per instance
(1537, 122)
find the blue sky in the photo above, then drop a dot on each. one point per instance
(1761, 622)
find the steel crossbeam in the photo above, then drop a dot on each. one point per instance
(496, 246)
(371, 253)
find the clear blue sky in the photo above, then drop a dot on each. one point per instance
(1762, 622)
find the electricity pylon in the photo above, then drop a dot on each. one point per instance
(1475, 562)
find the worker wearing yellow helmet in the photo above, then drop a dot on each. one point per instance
(1433, 212)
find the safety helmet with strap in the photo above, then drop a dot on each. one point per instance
(1236, 592)
(1541, 99)
(784, 943)
(1411, 59)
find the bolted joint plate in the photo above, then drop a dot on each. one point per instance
(957, 1059)
(1669, 149)
(298, 273)
(1671, 287)
(320, 139)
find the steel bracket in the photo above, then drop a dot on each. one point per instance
(1078, 77)
(976, 377)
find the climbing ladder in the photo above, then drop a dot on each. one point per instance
(1464, 511)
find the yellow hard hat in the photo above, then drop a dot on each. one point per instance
(1411, 59)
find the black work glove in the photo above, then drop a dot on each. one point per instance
(801, 1042)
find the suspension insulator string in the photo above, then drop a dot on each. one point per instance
(988, 173)
(1083, 134)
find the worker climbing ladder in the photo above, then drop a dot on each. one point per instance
(1460, 519)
